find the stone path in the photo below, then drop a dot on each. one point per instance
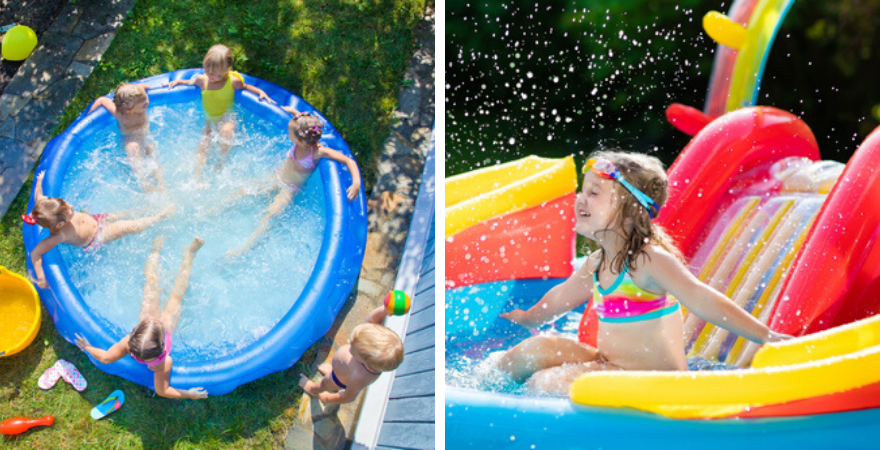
(390, 210)
(32, 103)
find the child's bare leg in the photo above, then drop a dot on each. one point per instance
(542, 352)
(227, 132)
(557, 380)
(313, 389)
(150, 304)
(172, 308)
(115, 230)
(281, 201)
(325, 368)
(202, 152)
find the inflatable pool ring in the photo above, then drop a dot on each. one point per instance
(20, 312)
(327, 289)
(18, 43)
(397, 303)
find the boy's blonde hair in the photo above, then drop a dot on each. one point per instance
(309, 128)
(377, 346)
(218, 59)
(48, 212)
(127, 96)
(646, 173)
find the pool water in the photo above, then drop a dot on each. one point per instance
(231, 302)
(471, 364)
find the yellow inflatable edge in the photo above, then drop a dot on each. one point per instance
(482, 194)
(691, 395)
(841, 340)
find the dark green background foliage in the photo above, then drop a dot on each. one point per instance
(559, 78)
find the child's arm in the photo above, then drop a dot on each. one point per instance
(38, 189)
(191, 82)
(377, 316)
(355, 186)
(37, 257)
(106, 103)
(706, 302)
(238, 84)
(562, 298)
(162, 380)
(292, 110)
(111, 355)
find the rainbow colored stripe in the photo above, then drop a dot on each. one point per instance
(625, 302)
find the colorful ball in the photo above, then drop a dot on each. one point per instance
(397, 303)
(18, 43)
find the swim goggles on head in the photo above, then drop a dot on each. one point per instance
(606, 169)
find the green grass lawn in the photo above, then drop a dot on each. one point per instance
(347, 58)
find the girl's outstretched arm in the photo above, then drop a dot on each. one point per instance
(355, 186)
(38, 188)
(106, 103)
(111, 355)
(37, 257)
(162, 378)
(571, 293)
(704, 301)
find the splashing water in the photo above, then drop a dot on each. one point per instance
(231, 302)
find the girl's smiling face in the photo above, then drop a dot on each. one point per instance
(595, 205)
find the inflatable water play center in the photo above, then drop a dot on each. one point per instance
(759, 216)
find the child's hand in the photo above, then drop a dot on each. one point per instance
(263, 96)
(777, 337)
(516, 316)
(173, 83)
(42, 283)
(40, 176)
(324, 397)
(352, 191)
(82, 342)
(197, 393)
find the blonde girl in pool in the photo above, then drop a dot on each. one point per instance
(150, 341)
(218, 86)
(636, 279)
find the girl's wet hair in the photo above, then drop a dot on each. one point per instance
(646, 173)
(49, 212)
(218, 59)
(127, 96)
(147, 340)
(309, 128)
(377, 346)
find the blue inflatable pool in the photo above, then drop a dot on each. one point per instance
(314, 310)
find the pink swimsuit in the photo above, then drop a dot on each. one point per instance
(307, 162)
(95, 243)
(161, 357)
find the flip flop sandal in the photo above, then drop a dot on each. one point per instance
(51, 376)
(112, 403)
(71, 375)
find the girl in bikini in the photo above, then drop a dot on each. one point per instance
(150, 341)
(636, 280)
(305, 131)
(218, 86)
(67, 226)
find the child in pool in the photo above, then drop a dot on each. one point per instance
(304, 130)
(129, 107)
(640, 321)
(66, 226)
(373, 349)
(218, 86)
(150, 341)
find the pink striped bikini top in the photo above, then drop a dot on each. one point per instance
(308, 162)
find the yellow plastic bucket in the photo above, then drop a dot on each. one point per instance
(19, 312)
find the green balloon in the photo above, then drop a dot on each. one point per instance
(18, 43)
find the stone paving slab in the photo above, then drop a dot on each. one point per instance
(32, 103)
